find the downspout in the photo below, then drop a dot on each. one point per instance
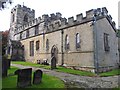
(95, 46)
(43, 37)
(62, 32)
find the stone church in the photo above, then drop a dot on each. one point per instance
(86, 43)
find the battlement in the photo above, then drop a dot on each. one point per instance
(23, 8)
(90, 15)
(45, 18)
(55, 21)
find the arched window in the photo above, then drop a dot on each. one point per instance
(20, 35)
(67, 46)
(31, 48)
(77, 40)
(27, 33)
(106, 42)
(37, 45)
(26, 18)
(47, 45)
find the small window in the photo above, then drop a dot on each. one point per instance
(106, 42)
(20, 35)
(31, 48)
(37, 45)
(47, 45)
(77, 40)
(26, 18)
(67, 46)
(36, 29)
(27, 33)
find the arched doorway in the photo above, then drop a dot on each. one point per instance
(54, 52)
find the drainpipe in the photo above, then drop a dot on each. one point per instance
(95, 46)
(43, 38)
(62, 32)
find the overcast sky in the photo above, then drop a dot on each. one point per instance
(68, 8)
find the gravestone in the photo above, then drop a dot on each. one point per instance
(24, 77)
(45, 62)
(38, 61)
(17, 72)
(53, 63)
(8, 63)
(37, 78)
(4, 68)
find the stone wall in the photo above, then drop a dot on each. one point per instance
(42, 54)
(106, 59)
(81, 58)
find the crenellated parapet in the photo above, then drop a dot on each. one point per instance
(90, 15)
(29, 25)
(54, 22)
(22, 7)
(44, 19)
(79, 17)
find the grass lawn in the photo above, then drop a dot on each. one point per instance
(47, 81)
(31, 64)
(71, 71)
(60, 69)
(111, 73)
(76, 72)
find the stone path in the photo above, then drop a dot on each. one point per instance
(75, 81)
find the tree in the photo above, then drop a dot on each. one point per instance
(4, 3)
(4, 41)
(118, 33)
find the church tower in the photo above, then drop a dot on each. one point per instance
(20, 15)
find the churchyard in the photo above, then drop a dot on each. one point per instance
(14, 77)
(33, 81)
(67, 70)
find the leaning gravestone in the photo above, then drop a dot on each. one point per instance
(8, 63)
(24, 77)
(53, 63)
(37, 78)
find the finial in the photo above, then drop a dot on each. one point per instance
(23, 3)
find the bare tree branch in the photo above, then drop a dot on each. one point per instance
(4, 3)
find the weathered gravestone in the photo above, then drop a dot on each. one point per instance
(8, 63)
(37, 78)
(24, 77)
(38, 61)
(4, 68)
(45, 62)
(53, 63)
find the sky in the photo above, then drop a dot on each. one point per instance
(67, 8)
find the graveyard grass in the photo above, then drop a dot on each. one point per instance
(111, 73)
(59, 69)
(47, 81)
(67, 70)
